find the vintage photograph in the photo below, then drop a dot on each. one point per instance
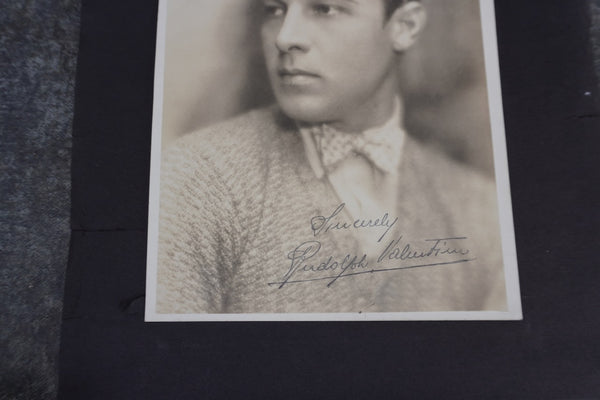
(329, 160)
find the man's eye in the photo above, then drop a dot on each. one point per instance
(326, 9)
(274, 11)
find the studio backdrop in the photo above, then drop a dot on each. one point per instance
(214, 69)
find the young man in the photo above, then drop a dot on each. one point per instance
(323, 203)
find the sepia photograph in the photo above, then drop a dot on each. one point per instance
(329, 160)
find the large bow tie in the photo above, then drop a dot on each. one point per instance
(382, 147)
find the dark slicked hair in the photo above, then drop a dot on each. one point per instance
(391, 5)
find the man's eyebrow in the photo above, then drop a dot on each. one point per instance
(348, 1)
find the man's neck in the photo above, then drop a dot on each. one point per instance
(376, 112)
(392, 111)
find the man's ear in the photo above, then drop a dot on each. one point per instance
(405, 24)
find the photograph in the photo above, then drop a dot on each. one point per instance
(329, 160)
(334, 199)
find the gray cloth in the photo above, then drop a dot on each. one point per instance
(38, 41)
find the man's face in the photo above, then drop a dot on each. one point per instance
(329, 60)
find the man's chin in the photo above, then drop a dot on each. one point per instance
(311, 112)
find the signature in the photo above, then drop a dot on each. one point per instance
(322, 224)
(303, 260)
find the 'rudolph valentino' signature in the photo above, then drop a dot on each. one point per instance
(304, 266)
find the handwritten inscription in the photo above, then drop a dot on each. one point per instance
(322, 224)
(304, 259)
(395, 251)
(306, 251)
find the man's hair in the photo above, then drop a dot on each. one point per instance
(391, 5)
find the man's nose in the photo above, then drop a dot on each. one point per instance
(293, 35)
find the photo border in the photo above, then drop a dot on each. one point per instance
(514, 310)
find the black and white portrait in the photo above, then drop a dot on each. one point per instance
(329, 159)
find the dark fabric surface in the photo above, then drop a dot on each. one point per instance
(38, 47)
(595, 34)
(108, 352)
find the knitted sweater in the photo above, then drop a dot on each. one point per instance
(235, 233)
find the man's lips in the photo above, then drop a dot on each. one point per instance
(296, 76)
(296, 72)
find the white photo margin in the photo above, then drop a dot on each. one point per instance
(514, 312)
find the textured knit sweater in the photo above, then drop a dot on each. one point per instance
(238, 203)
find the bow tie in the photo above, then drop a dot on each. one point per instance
(382, 147)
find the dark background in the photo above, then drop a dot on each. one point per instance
(107, 352)
(551, 123)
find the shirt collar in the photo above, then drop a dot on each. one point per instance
(311, 147)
